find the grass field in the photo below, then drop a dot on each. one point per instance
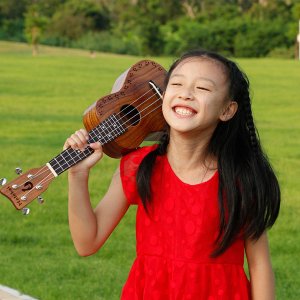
(41, 102)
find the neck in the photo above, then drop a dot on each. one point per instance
(189, 150)
(189, 158)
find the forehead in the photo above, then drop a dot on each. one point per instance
(201, 67)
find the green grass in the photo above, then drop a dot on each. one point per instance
(42, 100)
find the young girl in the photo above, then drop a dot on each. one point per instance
(205, 193)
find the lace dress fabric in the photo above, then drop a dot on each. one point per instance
(174, 241)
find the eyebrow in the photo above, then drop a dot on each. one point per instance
(200, 77)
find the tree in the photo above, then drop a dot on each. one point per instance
(35, 24)
(75, 18)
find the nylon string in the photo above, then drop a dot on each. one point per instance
(113, 130)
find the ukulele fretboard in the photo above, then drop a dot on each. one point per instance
(105, 132)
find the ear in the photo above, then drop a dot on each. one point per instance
(229, 111)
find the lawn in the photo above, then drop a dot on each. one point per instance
(42, 100)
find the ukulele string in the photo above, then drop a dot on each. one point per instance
(148, 91)
(33, 176)
(138, 112)
(152, 103)
(44, 180)
(113, 130)
(45, 168)
(119, 114)
(135, 99)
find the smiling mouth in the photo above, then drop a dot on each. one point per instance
(184, 111)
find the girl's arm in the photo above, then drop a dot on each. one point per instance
(261, 274)
(91, 227)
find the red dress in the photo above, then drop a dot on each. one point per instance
(175, 241)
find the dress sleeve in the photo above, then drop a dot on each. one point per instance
(128, 168)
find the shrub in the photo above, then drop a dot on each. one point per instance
(216, 36)
(104, 41)
(12, 30)
(259, 39)
(283, 52)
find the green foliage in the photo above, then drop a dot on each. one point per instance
(11, 19)
(271, 9)
(12, 30)
(106, 42)
(156, 27)
(225, 11)
(296, 11)
(259, 38)
(215, 36)
(75, 19)
(35, 24)
(285, 53)
(12, 9)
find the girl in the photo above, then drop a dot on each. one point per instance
(205, 193)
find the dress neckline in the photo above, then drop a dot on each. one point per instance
(212, 178)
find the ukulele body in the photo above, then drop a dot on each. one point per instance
(121, 121)
(138, 104)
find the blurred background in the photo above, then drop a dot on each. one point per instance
(243, 28)
(59, 57)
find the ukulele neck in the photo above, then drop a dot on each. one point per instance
(105, 132)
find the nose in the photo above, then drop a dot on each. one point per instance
(186, 94)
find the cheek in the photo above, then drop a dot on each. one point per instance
(166, 100)
(165, 109)
(164, 106)
(211, 106)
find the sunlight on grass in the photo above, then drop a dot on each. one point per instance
(42, 100)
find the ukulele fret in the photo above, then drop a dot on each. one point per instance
(136, 96)
(105, 132)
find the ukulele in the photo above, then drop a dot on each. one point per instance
(120, 121)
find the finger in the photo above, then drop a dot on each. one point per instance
(66, 145)
(96, 146)
(82, 134)
(77, 140)
(70, 142)
(80, 142)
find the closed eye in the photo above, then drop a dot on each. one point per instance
(176, 83)
(203, 88)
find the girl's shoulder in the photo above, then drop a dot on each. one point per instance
(131, 161)
(137, 155)
(128, 168)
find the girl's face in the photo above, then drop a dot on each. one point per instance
(196, 97)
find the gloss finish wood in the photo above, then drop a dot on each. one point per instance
(129, 90)
(134, 108)
(29, 185)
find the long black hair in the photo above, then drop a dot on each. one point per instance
(249, 193)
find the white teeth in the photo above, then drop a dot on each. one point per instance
(183, 111)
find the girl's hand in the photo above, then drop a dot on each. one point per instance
(78, 141)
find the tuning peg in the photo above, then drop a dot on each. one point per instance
(40, 200)
(39, 187)
(3, 181)
(18, 171)
(25, 211)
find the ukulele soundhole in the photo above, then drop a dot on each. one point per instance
(130, 115)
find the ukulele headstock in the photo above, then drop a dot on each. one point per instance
(26, 187)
